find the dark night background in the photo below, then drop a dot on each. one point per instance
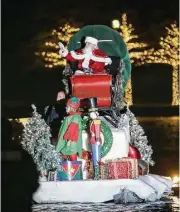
(25, 81)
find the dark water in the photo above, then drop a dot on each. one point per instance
(163, 135)
(172, 204)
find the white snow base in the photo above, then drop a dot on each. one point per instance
(149, 187)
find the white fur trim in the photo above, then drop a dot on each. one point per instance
(91, 40)
(98, 59)
(101, 59)
(108, 60)
(85, 63)
(63, 53)
(79, 72)
(77, 56)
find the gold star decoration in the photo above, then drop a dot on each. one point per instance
(72, 170)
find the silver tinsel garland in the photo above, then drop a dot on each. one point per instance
(137, 135)
(36, 141)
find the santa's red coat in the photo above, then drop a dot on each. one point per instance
(96, 60)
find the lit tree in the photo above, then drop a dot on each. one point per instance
(135, 50)
(36, 141)
(168, 53)
(50, 53)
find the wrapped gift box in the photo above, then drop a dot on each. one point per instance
(86, 165)
(125, 168)
(69, 170)
(134, 162)
(104, 171)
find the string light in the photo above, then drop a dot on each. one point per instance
(115, 24)
(134, 48)
(168, 54)
(50, 55)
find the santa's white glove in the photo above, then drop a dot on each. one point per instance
(61, 46)
(108, 60)
(63, 52)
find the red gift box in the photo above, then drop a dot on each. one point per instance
(125, 168)
(104, 171)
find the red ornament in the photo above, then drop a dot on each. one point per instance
(134, 152)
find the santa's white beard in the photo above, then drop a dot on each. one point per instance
(87, 49)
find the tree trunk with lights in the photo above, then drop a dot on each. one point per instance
(135, 51)
(168, 54)
(128, 93)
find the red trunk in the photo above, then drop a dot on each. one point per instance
(86, 86)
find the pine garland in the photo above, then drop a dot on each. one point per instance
(97, 172)
(108, 139)
(138, 138)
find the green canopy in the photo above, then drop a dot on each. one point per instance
(110, 42)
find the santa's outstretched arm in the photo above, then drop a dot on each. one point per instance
(64, 53)
(99, 56)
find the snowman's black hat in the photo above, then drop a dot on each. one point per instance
(92, 104)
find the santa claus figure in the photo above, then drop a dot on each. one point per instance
(90, 58)
(70, 134)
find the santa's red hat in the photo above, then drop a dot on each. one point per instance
(74, 102)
